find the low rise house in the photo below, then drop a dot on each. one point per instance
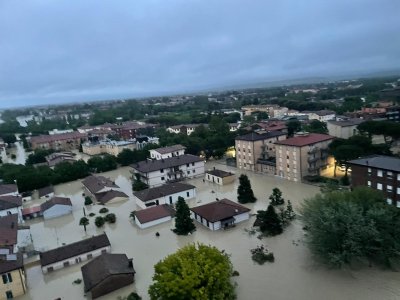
(233, 126)
(14, 238)
(378, 172)
(8, 190)
(56, 207)
(54, 159)
(343, 129)
(167, 152)
(164, 194)
(219, 176)
(46, 192)
(107, 273)
(220, 214)
(74, 253)
(154, 215)
(321, 115)
(64, 141)
(103, 190)
(10, 205)
(31, 212)
(12, 272)
(159, 172)
(187, 129)
(256, 148)
(302, 155)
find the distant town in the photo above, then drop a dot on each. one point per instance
(100, 199)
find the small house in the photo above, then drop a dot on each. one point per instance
(46, 192)
(74, 253)
(56, 207)
(164, 194)
(103, 189)
(107, 273)
(219, 176)
(153, 216)
(31, 212)
(166, 152)
(220, 214)
(10, 205)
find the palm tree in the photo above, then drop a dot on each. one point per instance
(84, 222)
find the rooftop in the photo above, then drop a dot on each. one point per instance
(45, 191)
(154, 213)
(11, 264)
(219, 210)
(8, 188)
(305, 139)
(219, 173)
(96, 183)
(7, 202)
(8, 230)
(104, 197)
(378, 161)
(57, 137)
(104, 266)
(163, 190)
(257, 136)
(54, 201)
(74, 249)
(155, 165)
(169, 149)
(349, 122)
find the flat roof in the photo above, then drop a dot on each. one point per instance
(378, 161)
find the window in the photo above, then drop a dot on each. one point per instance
(398, 176)
(389, 201)
(369, 183)
(398, 204)
(187, 194)
(389, 175)
(287, 156)
(104, 251)
(9, 277)
(389, 188)
(188, 172)
(66, 263)
(194, 171)
(162, 170)
(187, 165)
(208, 176)
(379, 186)
(218, 180)
(5, 278)
(89, 256)
(398, 191)
(193, 164)
(369, 171)
(162, 178)
(380, 173)
(9, 295)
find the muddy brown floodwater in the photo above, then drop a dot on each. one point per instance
(293, 275)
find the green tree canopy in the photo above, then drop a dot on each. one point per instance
(197, 272)
(245, 192)
(316, 126)
(183, 222)
(269, 221)
(344, 226)
(276, 197)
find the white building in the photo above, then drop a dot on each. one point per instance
(153, 216)
(74, 253)
(10, 205)
(167, 152)
(159, 172)
(164, 194)
(321, 115)
(221, 214)
(56, 207)
(185, 129)
(343, 129)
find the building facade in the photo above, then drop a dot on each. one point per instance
(12, 272)
(343, 129)
(254, 148)
(380, 173)
(167, 152)
(305, 154)
(219, 177)
(62, 142)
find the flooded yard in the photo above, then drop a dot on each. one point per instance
(293, 275)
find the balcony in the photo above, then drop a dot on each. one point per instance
(312, 159)
(313, 150)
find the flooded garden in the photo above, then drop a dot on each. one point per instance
(293, 275)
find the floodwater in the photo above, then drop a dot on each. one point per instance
(293, 275)
(20, 153)
(22, 120)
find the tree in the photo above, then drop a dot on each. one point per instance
(316, 126)
(99, 221)
(110, 218)
(276, 197)
(88, 200)
(343, 226)
(289, 212)
(245, 192)
(183, 222)
(293, 126)
(138, 184)
(84, 222)
(269, 221)
(197, 272)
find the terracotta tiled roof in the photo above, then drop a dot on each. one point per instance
(304, 140)
(154, 213)
(54, 201)
(219, 210)
(109, 195)
(96, 183)
(30, 210)
(45, 191)
(8, 230)
(11, 265)
(8, 188)
(163, 190)
(74, 249)
(104, 266)
(7, 202)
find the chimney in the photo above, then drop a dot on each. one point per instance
(130, 263)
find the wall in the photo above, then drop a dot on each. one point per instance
(342, 132)
(12, 211)
(72, 260)
(156, 155)
(57, 211)
(111, 283)
(166, 200)
(152, 223)
(217, 225)
(220, 180)
(17, 286)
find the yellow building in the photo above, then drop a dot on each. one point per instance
(13, 281)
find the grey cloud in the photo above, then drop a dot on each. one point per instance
(58, 51)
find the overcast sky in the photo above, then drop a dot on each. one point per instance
(80, 50)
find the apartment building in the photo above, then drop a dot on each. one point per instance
(302, 155)
(159, 172)
(114, 148)
(254, 148)
(343, 129)
(380, 173)
(61, 142)
(166, 152)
